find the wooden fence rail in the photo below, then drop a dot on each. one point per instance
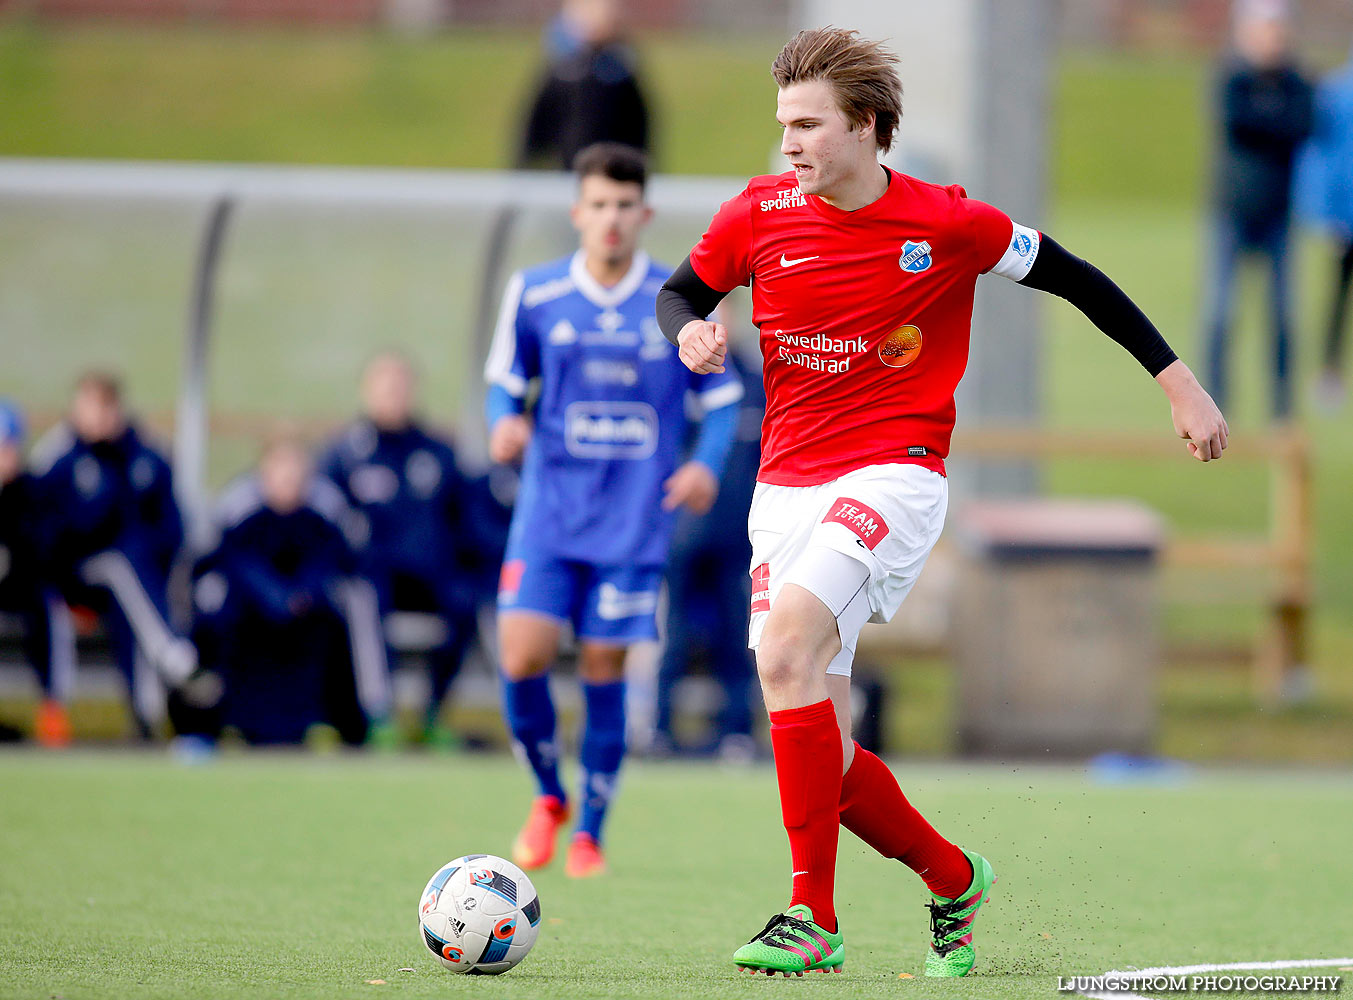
(1282, 650)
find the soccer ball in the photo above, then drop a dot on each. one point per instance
(479, 914)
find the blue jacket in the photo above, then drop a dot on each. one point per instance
(110, 495)
(20, 539)
(280, 566)
(421, 513)
(1324, 186)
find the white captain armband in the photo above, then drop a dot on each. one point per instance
(1020, 255)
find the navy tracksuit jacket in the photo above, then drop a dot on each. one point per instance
(434, 537)
(112, 533)
(277, 621)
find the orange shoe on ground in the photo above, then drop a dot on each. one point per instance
(534, 847)
(51, 725)
(584, 858)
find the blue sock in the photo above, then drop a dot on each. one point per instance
(602, 751)
(529, 712)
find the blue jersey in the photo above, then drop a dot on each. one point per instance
(610, 418)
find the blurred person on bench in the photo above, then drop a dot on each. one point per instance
(42, 616)
(282, 616)
(112, 532)
(424, 524)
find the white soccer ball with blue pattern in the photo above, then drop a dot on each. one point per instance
(479, 915)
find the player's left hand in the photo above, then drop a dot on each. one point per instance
(702, 346)
(1196, 417)
(694, 485)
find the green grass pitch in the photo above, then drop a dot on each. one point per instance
(132, 876)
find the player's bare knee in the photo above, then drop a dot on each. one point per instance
(522, 666)
(773, 672)
(520, 660)
(527, 645)
(785, 659)
(788, 642)
(601, 664)
(600, 674)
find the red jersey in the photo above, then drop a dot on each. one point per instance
(865, 316)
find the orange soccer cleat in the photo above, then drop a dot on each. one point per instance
(584, 857)
(51, 725)
(534, 847)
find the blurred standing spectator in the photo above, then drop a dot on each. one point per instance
(112, 534)
(709, 591)
(282, 617)
(1265, 107)
(589, 92)
(1324, 195)
(43, 616)
(430, 544)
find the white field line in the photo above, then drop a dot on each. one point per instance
(1189, 970)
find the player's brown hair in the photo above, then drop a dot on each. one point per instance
(861, 73)
(614, 160)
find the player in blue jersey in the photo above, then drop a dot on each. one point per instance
(602, 480)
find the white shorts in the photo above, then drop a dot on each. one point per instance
(885, 518)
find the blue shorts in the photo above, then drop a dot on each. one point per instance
(611, 604)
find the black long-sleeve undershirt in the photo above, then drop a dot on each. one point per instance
(1104, 304)
(685, 297)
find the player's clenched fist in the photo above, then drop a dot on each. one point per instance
(702, 346)
(509, 438)
(1196, 417)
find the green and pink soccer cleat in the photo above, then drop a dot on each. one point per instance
(951, 952)
(791, 944)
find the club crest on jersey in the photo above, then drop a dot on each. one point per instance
(915, 257)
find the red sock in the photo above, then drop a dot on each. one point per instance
(875, 810)
(807, 745)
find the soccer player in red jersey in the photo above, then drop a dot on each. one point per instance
(862, 287)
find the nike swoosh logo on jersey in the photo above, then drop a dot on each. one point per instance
(786, 262)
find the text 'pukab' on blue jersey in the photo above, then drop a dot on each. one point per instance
(611, 414)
